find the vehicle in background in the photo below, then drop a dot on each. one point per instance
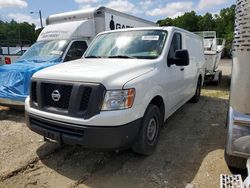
(19, 51)
(238, 120)
(119, 95)
(65, 38)
(12, 57)
(213, 49)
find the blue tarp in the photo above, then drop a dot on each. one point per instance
(15, 78)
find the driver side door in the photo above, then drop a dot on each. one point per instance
(175, 85)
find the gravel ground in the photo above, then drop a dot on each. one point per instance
(190, 152)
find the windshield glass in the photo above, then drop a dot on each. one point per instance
(46, 51)
(128, 44)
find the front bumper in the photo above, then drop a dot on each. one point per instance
(238, 134)
(95, 137)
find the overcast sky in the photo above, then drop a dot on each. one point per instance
(153, 10)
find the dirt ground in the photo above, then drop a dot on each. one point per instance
(189, 153)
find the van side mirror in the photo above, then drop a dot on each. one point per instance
(181, 58)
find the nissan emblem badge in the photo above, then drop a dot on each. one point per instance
(56, 95)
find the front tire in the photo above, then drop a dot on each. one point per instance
(150, 130)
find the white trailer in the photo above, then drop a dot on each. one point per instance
(213, 48)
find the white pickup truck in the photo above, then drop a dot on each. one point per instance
(6, 59)
(119, 95)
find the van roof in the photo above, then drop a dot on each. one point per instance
(166, 28)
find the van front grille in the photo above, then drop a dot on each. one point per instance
(56, 95)
(67, 98)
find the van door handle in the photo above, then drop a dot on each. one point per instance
(182, 69)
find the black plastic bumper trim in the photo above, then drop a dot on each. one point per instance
(95, 137)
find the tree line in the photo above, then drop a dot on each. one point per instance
(222, 23)
(13, 33)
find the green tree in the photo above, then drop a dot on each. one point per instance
(223, 23)
(166, 22)
(206, 22)
(13, 33)
(188, 21)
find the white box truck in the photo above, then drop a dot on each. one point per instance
(66, 37)
(118, 96)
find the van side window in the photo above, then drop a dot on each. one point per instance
(76, 50)
(175, 45)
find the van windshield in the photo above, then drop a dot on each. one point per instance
(49, 51)
(146, 44)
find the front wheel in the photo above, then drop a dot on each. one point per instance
(149, 132)
(197, 94)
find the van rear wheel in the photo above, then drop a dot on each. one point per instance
(149, 132)
(197, 94)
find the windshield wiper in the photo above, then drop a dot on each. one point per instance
(122, 56)
(93, 56)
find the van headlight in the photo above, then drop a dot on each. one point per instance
(118, 99)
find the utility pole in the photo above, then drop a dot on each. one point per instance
(40, 16)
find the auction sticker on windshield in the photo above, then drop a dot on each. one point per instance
(150, 37)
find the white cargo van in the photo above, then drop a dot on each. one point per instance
(66, 37)
(119, 95)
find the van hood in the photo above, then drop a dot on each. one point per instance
(112, 73)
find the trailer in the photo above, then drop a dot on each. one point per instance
(213, 49)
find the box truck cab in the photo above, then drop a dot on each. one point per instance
(120, 93)
(65, 38)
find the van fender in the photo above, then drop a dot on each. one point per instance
(150, 95)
